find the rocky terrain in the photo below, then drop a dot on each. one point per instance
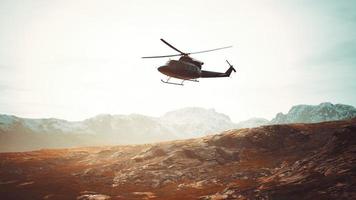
(292, 161)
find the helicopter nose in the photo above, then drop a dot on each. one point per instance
(162, 69)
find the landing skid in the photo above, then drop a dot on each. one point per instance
(172, 83)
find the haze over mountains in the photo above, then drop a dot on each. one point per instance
(21, 134)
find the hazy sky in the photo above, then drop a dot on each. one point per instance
(76, 59)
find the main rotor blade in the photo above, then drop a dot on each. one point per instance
(172, 46)
(210, 50)
(162, 56)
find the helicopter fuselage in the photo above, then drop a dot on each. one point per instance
(181, 70)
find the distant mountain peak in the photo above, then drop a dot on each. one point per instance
(315, 113)
(326, 104)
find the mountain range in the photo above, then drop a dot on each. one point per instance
(288, 161)
(22, 134)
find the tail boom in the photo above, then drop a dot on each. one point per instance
(210, 74)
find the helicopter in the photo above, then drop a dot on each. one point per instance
(187, 68)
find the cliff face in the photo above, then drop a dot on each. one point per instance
(295, 161)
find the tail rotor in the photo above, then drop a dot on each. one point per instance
(231, 68)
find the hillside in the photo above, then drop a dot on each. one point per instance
(294, 161)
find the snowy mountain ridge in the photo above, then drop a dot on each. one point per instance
(181, 123)
(315, 113)
(187, 122)
(18, 134)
